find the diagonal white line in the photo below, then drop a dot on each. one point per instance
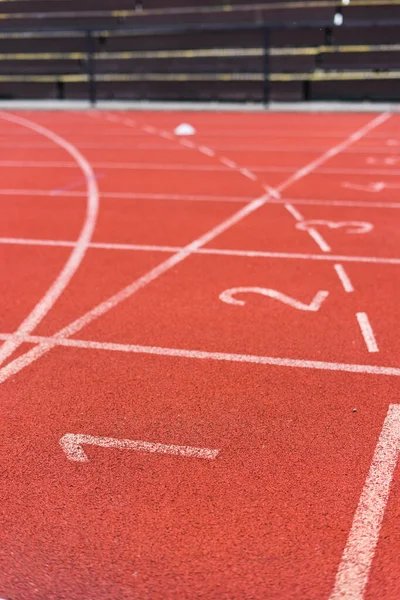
(352, 576)
(26, 359)
(367, 332)
(312, 232)
(318, 239)
(344, 278)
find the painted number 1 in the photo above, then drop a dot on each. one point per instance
(228, 296)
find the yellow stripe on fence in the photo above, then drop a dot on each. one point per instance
(245, 7)
(183, 77)
(201, 53)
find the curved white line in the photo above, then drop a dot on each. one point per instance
(56, 289)
(26, 359)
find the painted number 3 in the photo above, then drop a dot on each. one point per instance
(228, 296)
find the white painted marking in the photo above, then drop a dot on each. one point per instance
(182, 166)
(206, 150)
(275, 198)
(23, 361)
(188, 144)
(61, 282)
(386, 160)
(141, 166)
(367, 171)
(51, 342)
(294, 212)
(315, 304)
(229, 163)
(146, 128)
(272, 192)
(367, 332)
(312, 232)
(347, 203)
(355, 566)
(166, 135)
(378, 186)
(344, 278)
(68, 244)
(212, 251)
(318, 239)
(130, 195)
(353, 227)
(248, 174)
(184, 129)
(72, 445)
(37, 164)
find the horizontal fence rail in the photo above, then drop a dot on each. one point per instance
(211, 62)
(225, 7)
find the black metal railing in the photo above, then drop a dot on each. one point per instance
(211, 62)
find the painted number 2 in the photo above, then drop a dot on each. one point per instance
(228, 296)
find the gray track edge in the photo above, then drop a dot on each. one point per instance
(201, 106)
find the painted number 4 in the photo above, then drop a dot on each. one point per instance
(228, 296)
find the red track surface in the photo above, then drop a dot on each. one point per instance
(270, 385)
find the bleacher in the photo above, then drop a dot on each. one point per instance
(192, 50)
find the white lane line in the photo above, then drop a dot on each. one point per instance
(275, 199)
(212, 251)
(354, 569)
(229, 163)
(186, 143)
(166, 135)
(191, 167)
(344, 278)
(131, 196)
(318, 239)
(248, 174)
(38, 164)
(242, 148)
(312, 232)
(147, 128)
(23, 361)
(61, 282)
(51, 342)
(72, 445)
(367, 332)
(100, 245)
(348, 203)
(294, 212)
(207, 151)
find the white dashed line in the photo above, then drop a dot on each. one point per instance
(367, 332)
(344, 278)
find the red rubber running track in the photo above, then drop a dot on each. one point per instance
(200, 372)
